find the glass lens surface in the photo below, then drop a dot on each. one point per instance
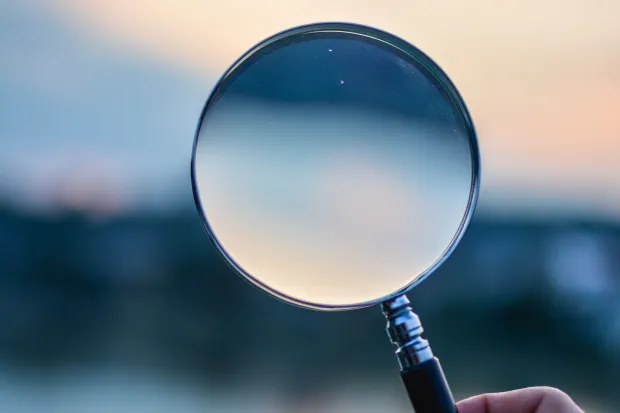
(332, 168)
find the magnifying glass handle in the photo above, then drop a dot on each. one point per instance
(421, 372)
(428, 389)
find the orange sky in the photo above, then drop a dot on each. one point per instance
(542, 79)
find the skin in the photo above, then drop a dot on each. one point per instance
(530, 400)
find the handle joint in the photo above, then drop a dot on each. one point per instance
(405, 331)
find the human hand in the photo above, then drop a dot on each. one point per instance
(530, 400)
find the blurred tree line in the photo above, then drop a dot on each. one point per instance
(519, 303)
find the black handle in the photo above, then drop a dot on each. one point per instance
(428, 389)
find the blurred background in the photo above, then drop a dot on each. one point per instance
(113, 299)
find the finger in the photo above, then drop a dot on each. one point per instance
(531, 400)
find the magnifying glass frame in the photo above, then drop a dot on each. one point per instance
(433, 70)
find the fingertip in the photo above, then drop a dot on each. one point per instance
(528, 400)
(476, 404)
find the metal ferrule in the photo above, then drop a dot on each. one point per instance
(405, 331)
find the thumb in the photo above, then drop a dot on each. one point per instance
(530, 400)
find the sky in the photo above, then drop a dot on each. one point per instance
(99, 100)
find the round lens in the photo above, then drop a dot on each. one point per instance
(335, 166)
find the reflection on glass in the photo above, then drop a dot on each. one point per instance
(333, 168)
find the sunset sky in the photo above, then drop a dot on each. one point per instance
(121, 85)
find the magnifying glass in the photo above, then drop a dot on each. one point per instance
(336, 166)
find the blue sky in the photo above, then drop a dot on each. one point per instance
(98, 93)
(69, 102)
